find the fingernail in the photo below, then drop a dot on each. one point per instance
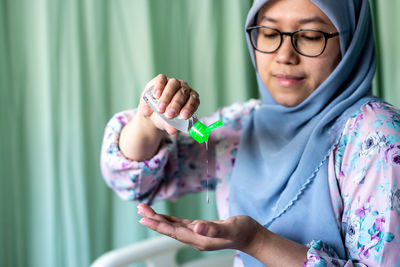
(161, 107)
(171, 112)
(141, 221)
(140, 211)
(157, 93)
(185, 114)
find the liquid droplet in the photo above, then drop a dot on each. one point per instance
(208, 199)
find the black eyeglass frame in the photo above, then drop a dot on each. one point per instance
(327, 36)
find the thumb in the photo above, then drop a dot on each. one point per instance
(211, 229)
(201, 228)
(145, 109)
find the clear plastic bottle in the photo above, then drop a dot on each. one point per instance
(192, 126)
(177, 122)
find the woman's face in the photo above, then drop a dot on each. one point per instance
(289, 76)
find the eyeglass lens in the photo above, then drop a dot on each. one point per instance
(306, 42)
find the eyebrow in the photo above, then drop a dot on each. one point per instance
(301, 22)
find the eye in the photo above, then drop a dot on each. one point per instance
(312, 38)
(309, 36)
(269, 34)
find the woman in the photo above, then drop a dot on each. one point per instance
(309, 175)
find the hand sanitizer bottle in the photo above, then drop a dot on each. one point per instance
(195, 128)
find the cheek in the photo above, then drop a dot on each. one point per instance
(259, 62)
(320, 71)
(263, 64)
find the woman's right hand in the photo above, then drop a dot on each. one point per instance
(176, 98)
(141, 137)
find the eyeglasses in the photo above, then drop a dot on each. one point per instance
(306, 42)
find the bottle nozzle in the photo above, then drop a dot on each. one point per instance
(214, 125)
(200, 132)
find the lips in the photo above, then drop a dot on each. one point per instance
(287, 80)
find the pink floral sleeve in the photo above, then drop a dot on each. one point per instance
(157, 178)
(365, 188)
(181, 165)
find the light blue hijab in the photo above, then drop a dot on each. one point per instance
(280, 177)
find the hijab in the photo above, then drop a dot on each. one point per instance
(280, 177)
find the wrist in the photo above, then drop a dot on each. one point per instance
(140, 138)
(257, 241)
(145, 124)
(274, 250)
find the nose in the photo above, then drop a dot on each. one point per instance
(286, 53)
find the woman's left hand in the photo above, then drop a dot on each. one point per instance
(238, 232)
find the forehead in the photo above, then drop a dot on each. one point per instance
(297, 12)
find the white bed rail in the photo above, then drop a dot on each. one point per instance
(158, 252)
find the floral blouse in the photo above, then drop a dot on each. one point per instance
(364, 178)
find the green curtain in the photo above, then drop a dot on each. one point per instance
(387, 34)
(67, 66)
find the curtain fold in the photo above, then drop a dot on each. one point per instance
(387, 23)
(67, 66)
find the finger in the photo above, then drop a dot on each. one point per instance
(194, 224)
(176, 232)
(212, 229)
(201, 228)
(146, 211)
(170, 129)
(159, 84)
(191, 105)
(168, 93)
(177, 220)
(178, 101)
(158, 226)
(146, 111)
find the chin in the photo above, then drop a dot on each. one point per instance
(288, 97)
(288, 101)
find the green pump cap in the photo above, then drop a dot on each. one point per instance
(200, 132)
